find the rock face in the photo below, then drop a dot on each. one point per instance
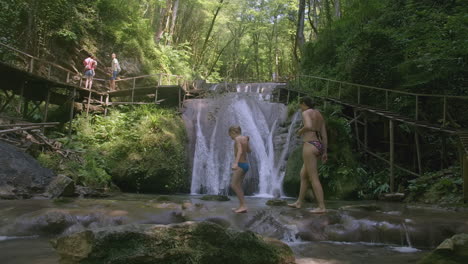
(20, 174)
(61, 186)
(189, 242)
(453, 250)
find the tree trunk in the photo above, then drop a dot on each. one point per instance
(337, 8)
(299, 30)
(164, 21)
(175, 8)
(313, 21)
(208, 34)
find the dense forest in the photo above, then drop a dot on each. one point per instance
(411, 45)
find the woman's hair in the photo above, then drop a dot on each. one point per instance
(235, 130)
(307, 101)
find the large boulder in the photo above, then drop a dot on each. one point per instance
(453, 250)
(189, 242)
(20, 174)
(61, 186)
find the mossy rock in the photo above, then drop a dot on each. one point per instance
(163, 198)
(186, 243)
(276, 202)
(218, 198)
(453, 250)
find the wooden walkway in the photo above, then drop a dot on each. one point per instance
(39, 83)
(354, 96)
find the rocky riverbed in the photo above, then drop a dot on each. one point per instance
(390, 232)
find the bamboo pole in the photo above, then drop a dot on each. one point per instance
(444, 118)
(392, 157)
(107, 105)
(287, 98)
(416, 115)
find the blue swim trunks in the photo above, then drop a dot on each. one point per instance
(244, 166)
(114, 75)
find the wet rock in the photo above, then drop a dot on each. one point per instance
(86, 192)
(452, 250)
(276, 202)
(21, 172)
(364, 207)
(202, 243)
(7, 192)
(187, 205)
(392, 197)
(61, 186)
(218, 198)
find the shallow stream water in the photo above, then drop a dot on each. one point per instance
(351, 232)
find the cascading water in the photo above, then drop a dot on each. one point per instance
(208, 121)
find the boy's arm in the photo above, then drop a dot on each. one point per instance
(248, 150)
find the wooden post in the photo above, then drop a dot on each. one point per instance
(31, 65)
(49, 70)
(365, 133)
(46, 112)
(339, 92)
(68, 77)
(445, 111)
(156, 95)
(107, 104)
(180, 101)
(465, 178)
(416, 114)
(72, 103)
(133, 89)
(89, 102)
(386, 100)
(21, 97)
(287, 98)
(359, 94)
(392, 157)
(356, 129)
(418, 150)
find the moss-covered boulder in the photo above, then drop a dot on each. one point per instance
(186, 243)
(453, 250)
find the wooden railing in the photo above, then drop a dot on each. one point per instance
(402, 102)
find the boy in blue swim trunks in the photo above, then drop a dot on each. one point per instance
(240, 165)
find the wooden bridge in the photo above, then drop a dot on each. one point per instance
(364, 101)
(38, 83)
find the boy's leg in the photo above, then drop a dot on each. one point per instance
(303, 189)
(236, 185)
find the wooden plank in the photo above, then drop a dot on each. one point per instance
(29, 124)
(24, 128)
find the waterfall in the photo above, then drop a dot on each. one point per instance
(211, 149)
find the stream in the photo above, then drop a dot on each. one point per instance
(351, 232)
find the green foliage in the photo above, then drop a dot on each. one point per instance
(437, 187)
(411, 45)
(142, 148)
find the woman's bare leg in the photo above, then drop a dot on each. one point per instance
(303, 189)
(236, 185)
(310, 155)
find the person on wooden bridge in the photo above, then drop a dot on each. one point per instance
(314, 135)
(90, 66)
(115, 68)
